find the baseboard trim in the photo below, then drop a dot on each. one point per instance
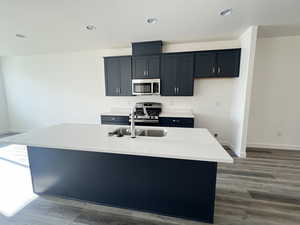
(240, 154)
(243, 155)
(274, 146)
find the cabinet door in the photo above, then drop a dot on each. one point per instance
(140, 67)
(205, 64)
(185, 74)
(112, 76)
(228, 63)
(125, 68)
(153, 70)
(114, 120)
(176, 122)
(168, 75)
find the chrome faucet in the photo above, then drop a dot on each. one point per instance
(132, 125)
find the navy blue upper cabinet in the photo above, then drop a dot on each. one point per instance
(176, 70)
(126, 76)
(184, 75)
(146, 48)
(177, 74)
(228, 63)
(168, 75)
(154, 66)
(146, 67)
(118, 76)
(218, 63)
(205, 64)
(112, 76)
(139, 67)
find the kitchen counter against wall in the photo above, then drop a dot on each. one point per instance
(162, 114)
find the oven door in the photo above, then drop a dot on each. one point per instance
(142, 87)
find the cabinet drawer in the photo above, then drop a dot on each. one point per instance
(115, 120)
(176, 122)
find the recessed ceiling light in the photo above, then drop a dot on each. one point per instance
(90, 27)
(226, 12)
(20, 36)
(152, 20)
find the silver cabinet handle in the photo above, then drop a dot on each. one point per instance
(219, 70)
(175, 90)
(213, 70)
(145, 73)
(117, 90)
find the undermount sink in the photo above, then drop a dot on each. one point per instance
(153, 133)
(139, 132)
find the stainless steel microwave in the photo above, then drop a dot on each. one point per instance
(146, 86)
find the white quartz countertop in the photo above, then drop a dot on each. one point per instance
(162, 114)
(179, 143)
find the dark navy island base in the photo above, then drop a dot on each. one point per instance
(173, 187)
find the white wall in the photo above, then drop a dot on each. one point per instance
(242, 93)
(275, 105)
(3, 107)
(55, 88)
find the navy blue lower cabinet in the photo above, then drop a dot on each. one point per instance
(114, 120)
(173, 187)
(176, 122)
(163, 121)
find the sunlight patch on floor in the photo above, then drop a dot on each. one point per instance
(15, 180)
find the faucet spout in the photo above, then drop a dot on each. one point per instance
(132, 125)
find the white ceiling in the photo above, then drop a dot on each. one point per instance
(59, 25)
(278, 30)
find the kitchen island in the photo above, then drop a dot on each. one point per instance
(173, 175)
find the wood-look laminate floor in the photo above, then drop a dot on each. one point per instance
(263, 189)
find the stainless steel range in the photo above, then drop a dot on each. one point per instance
(147, 113)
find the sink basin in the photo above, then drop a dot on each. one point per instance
(139, 132)
(153, 133)
(121, 131)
